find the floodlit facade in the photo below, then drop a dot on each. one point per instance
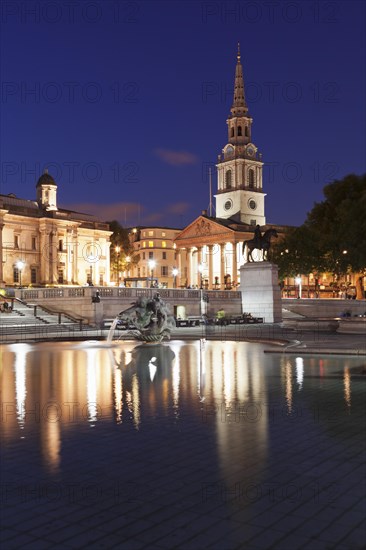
(41, 244)
(156, 253)
(210, 249)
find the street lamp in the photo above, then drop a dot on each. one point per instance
(175, 273)
(298, 282)
(20, 266)
(118, 250)
(152, 264)
(200, 269)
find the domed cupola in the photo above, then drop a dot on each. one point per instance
(47, 192)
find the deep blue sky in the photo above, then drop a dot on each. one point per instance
(151, 90)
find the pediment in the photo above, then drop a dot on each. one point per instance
(202, 228)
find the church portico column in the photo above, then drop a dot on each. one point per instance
(222, 265)
(234, 275)
(179, 268)
(189, 266)
(210, 266)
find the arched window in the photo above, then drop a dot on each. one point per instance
(239, 131)
(246, 131)
(232, 132)
(251, 178)
(228, 179)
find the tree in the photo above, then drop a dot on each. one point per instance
(122, 257)
(333, 237)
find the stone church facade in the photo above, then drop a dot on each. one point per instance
(210, 249)
(41, 244)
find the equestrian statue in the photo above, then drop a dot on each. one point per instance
(260, 242)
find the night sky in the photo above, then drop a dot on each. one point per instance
(130, 101)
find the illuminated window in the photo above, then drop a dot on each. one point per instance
(163, 234)
(163, 244)
(144, 244)
(144, 233)
(151, 233)
(151, 244)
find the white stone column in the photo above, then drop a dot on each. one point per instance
(210, 266)
(234, 275)
(179, 267)
(222, 265)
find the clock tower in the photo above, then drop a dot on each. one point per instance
(240, 195)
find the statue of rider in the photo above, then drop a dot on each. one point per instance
(258, 237)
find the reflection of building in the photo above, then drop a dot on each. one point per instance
(213, 245)
(156, 251)
(43, 244)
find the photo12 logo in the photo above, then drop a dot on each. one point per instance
(51, 12)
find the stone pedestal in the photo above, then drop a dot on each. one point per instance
(260, 291)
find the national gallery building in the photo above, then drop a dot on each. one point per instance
(42, 244)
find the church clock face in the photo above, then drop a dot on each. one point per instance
(228, 205)
(252, 204)
(229, 150)
(250, 151)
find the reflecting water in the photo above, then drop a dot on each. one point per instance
(52, 389)
(224, 410)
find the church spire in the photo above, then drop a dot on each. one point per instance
(239, 106)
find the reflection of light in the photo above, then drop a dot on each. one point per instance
(20, 382)
(299, 371)
(347, 386)
(91, 385)
(175, 383)
(118, 396)
(152, 368)
(202, 370)
(288, 385)
(135, 401)
(52, 443)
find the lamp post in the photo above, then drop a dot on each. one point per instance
(152, 264)
(20, 266)
(118, 250)
(175, 273)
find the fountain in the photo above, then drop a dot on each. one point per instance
(148, 320)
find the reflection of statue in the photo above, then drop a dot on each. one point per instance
(150, 318)
(260, 242)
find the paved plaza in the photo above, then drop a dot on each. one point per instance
(191, 459)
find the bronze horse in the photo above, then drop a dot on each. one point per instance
(264, 244)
